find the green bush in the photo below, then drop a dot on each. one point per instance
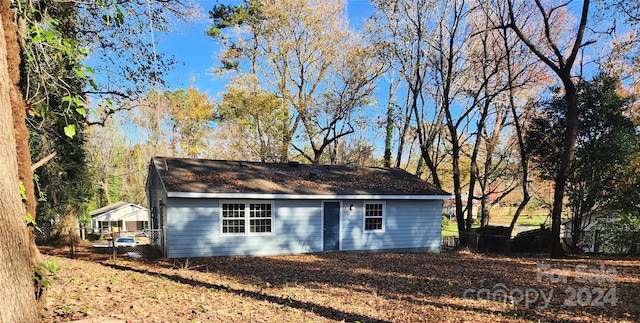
(445, 221)
(616, 234)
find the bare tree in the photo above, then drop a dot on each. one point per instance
(305, 54)
(502, 167)
(486, 59)
(559, 51)
(308, 45)
(449, 69)
(403, 35)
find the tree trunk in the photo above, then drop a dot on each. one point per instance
(18, 111)
(105, 189)
(576, 233)
(389, 128)
(464, 228)
(569, 148)
(484, 207)
(16, 271)
(562, 68)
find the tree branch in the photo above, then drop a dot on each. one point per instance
(43, 161)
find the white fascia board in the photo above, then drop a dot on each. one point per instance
(305, 196)
(139, 215)
(94, 214)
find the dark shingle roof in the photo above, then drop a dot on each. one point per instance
(222, 176)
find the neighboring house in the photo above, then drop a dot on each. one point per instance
(220, 208)
(593, 239)
(123, 216)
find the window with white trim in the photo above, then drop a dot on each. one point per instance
(241, 218)
(373, 217)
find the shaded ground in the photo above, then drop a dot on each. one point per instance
(364, 287)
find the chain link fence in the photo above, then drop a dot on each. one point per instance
(44, 231)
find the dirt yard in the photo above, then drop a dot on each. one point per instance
(350, 287)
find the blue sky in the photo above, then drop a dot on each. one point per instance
(196, 52)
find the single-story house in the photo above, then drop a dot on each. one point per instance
(221, 208)
(122, 216)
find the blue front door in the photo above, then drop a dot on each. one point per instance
(331, 226)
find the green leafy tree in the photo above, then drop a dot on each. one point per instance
(57, 81)
(255, 122)
(606, 140)
(53, 80)
(191, 113)
(259, 116)
(248, 16)
(64, 181)
(618, 233)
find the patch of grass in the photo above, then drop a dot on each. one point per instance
(533, 220)
(502, 216)
(65, 308)
(451, 229)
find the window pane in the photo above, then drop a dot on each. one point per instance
(261, 225)
(233, 226)
(260, 210)
(235, 210)
(233, 218)
(373, 210)
(373, 224)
